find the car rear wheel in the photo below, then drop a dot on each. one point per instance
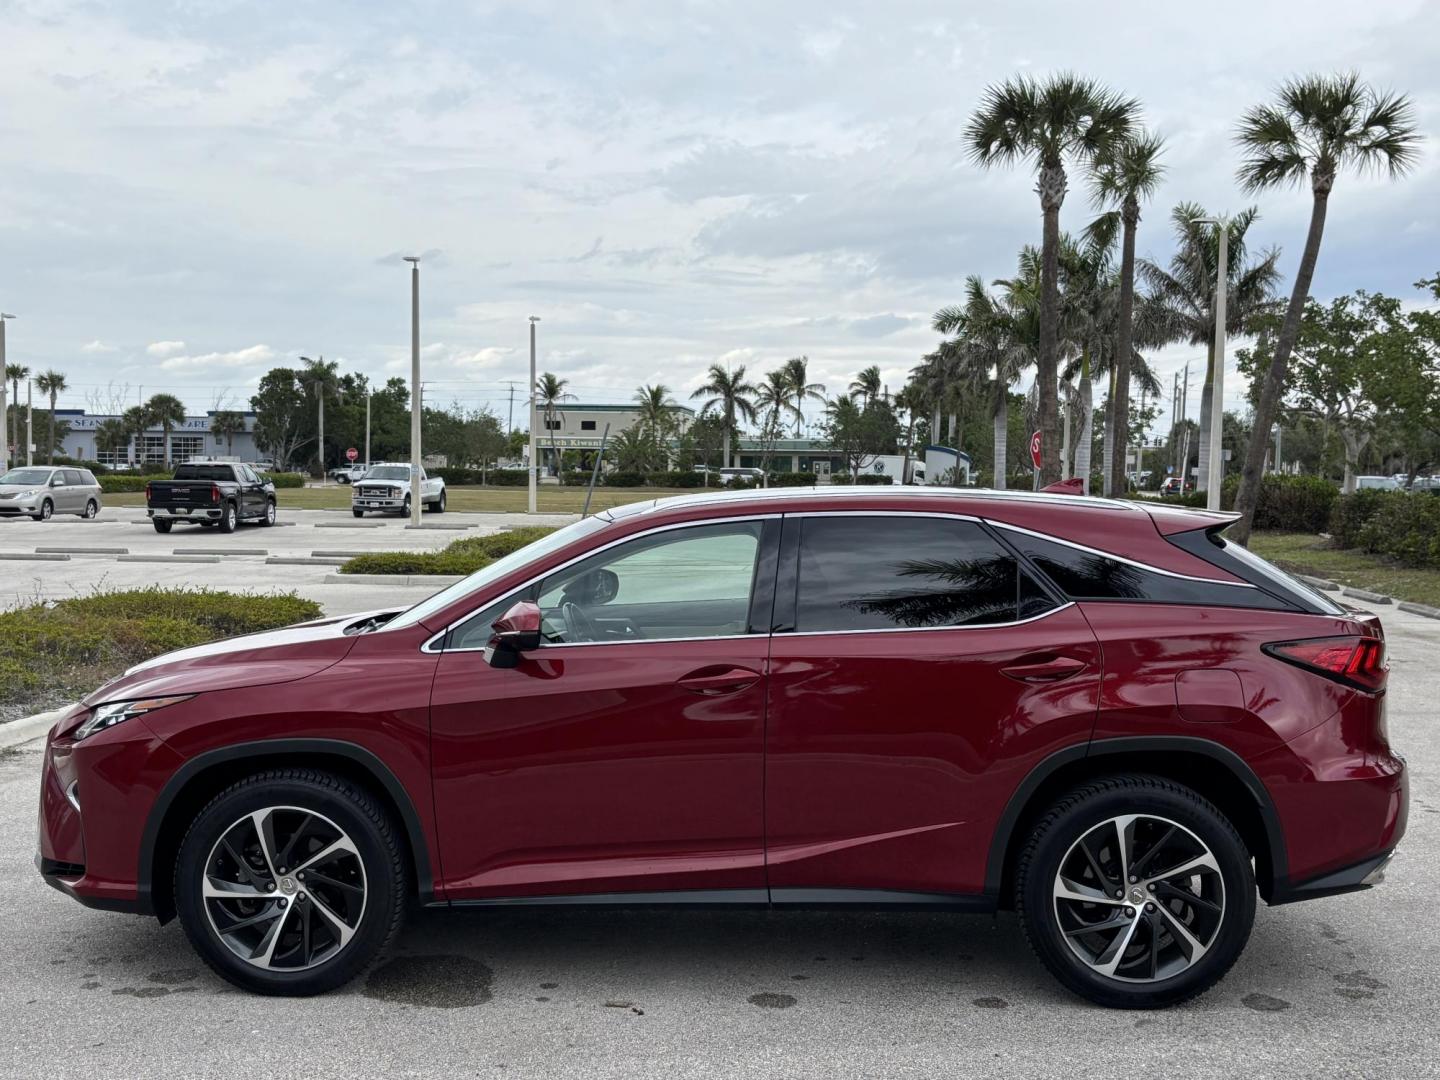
(291, 882)
(162, 525)
(1135, 892)
(229, 518)
(91, 508)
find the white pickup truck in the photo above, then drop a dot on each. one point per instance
(386, 490)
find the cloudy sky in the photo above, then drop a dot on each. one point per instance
(192, 192)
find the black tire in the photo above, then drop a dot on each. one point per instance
(162, 525)
(358, 513)
(229, 518)
(336, 801)
(92, 509)
(405, 510)
(270, 514)
(440, 506)
(47, 510)
(1080, 814)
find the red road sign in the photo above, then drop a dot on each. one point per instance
(351, 454)
(1035, 449)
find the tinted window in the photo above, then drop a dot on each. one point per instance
(88, 477)
(72, 477)
(881, 573)
(1086, 575)
(205, 472)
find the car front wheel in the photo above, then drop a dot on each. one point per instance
(270, 513)
(291, 882)
(47, 509)
(1135, 892)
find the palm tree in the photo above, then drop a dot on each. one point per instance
(730, 394)
(773, 401)
(52, 383)
(1127, 173)
(324, 379)
(226, 424)
(550, 392)
(136, 419)
(797, 377)
(169, 412)
(1186, 292)
(1044, 123)
(867, 384)
(911, 399)
(15, 373)
(657, 415)
(111, 435)
(1320, 125)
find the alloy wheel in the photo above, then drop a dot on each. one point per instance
(284, 888)
(1139, 898)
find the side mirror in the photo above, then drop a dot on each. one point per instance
(515, 632)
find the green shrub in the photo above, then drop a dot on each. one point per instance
(116, 483)
(285, 479)
(1351, 513)
(463, 556)
(870, 478)
(74, 645)
(792, 479)
(1405, 526)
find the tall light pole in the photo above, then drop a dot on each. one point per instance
(29, 426)
(369, 393)
(415, 486)
(320, 399)
(534, 408)
(4, 388)
(1217, 389)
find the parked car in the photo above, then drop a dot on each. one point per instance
(263, 466)
(728, 475)
(1171, 485)
(211, 493)
(348, 474)
(386, 489)
(43, 490)
(1098, 713)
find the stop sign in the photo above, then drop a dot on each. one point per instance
(351, 454)
(1035, 449)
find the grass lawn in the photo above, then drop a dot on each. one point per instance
(550, 498)
(1304, 553)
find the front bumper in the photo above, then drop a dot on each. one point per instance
(13, 508)
(362, 501)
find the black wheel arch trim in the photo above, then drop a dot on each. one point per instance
(1277, 886)
(260, 750)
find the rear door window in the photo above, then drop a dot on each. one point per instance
(888, 572)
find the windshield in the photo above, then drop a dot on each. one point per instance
(497, 570)
(389, 472)
(26, 476)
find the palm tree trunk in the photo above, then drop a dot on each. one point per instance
(167, 446)
(52, 429)
(1249, 493)
(1002, 430)
(1207, 392)
(1052, 194)
(935, 427)
(1087, 434)
(1065, 435)
(725, 449)
(1107, 441)
(1119, 415)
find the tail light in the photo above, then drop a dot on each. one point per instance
(215, 494)
(1352, 660)
(147, 491)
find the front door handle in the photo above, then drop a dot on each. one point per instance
(1052, 670)
(718, 679)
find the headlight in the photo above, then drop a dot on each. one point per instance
(113, 712)
(26, 495)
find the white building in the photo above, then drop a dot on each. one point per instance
(193, 438)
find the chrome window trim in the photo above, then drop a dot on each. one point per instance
(887, 491)
(431, 644)
(1117, 558)
(928, 629)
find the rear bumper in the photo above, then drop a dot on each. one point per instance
(1365, 874)
(193, 513)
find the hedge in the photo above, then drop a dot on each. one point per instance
(1287, 503)
(463, 556)
(75, 645)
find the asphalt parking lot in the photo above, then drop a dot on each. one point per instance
(1348, 986)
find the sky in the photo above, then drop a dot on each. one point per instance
(193, 192)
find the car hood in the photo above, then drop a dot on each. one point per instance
(381, 483)
(266, 658)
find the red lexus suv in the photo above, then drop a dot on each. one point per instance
(1098, 713)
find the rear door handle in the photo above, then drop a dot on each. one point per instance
(1054, 670)
(718, 679)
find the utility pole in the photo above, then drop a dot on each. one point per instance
(4, 408)
(29, 426)
(1217, 391)
(415, 485)
(534, 405)
(368, 395)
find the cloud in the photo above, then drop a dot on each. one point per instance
(98, 347)
(165, 348)
(255, 356)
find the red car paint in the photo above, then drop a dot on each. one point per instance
(783, 767)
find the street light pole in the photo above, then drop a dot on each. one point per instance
(415, 486)
(1217, 390)
(534, 405)
(29, 426)
(4, 389)
(368, 395)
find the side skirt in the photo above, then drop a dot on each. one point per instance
(792, 899)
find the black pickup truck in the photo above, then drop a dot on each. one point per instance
(222, 493)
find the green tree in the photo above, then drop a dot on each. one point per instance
(730, 395)
(797, 377)
(860, 433)
(279, 404)
(111, 435)
(136, 420)
(167, 412)
(1044, 124)
(226, 424)
(1125, 173)
(16, 373)
(1320, 125)
(551, 393)
(866, 385)
(321, 379)
(774, 405)
(53, 384)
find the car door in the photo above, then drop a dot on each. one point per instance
(74, 491)
(626, 754)
(918, 672)
(62, 492)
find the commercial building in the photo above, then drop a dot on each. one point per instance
(192, 438)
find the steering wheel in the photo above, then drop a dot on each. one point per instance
(578, 625)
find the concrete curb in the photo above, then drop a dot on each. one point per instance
(1319, 583)
(1419, 609)
(446, 526)
(83, 551)
(27, 729)
(1368, 597)
(33, 556)
(302, 560)
(221, 551)
(169, 558)
(350, 524)
(437, 580)
(339, 554)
